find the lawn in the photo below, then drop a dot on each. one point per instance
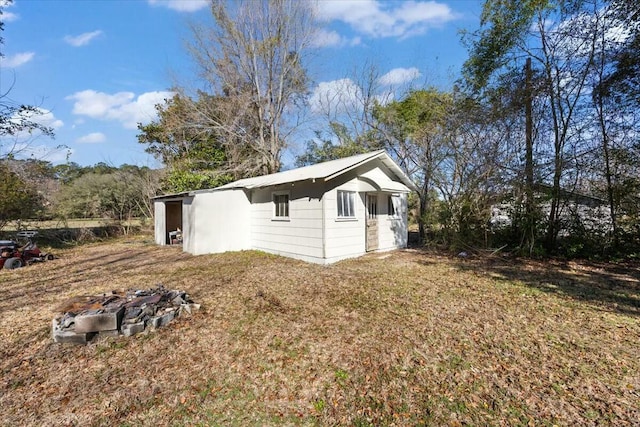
(403, 338)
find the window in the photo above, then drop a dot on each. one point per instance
(394, 203)
(346, 204)
(372, 206)
(281, 205)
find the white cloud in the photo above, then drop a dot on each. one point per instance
(82, 39)
(181, 5)
(7, 16)
(399, 76)
(326, 38)
(46, 118)
(122, 106)
(40, 116)
(335, 97)
(377, 19)
(92, 138)
(27, 150)
(14, 61)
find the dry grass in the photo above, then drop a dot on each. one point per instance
(406, 338)
(69, 223)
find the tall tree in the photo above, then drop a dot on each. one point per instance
(191, 150)
(323, 149)
(253, 59)
(119, 194)
(561, 38)
(18, 198)
(415, 131)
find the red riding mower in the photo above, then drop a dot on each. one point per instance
(13, 255)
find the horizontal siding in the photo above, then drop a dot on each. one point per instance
(392, 230)
(392, 234)
(301, 234)
(344, 237)
(308, 232)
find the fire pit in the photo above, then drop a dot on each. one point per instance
(119, 313)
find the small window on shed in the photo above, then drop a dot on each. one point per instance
(281, 205)
(346, 204)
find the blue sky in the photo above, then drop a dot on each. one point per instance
(97, 67)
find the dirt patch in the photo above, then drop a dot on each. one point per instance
(402, 340)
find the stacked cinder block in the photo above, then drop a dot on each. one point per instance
(120, 314)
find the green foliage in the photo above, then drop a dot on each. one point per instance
(416, 130)
(324, 150)
(116, 195)
(178, 133)
(18, 199)
(420, 111)
(194, 155)
(178, 180)
(504, 24)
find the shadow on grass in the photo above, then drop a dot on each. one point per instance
(613, 287)
(45, 291)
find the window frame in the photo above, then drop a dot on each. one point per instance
(351, 205)
(393, 208)
(276, 206)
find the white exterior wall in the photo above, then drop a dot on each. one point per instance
(344, 237)
(300, 235)
(217, 222)
(239, 219)
(188, 225)
(159, 215)
(392, 230)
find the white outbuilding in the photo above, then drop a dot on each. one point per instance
(321, 213)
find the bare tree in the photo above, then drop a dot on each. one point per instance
(252, 58)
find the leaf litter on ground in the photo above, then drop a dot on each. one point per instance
(406, 339)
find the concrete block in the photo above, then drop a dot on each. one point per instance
(72, 337)
(163, 320)
(69, 335)
(130, 329)
(96, 322)
(110, 333)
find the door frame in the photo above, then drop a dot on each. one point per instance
(369, 243)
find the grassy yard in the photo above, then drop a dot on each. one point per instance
(405, 338)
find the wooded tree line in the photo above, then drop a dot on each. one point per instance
(36, 189)
(543, 122)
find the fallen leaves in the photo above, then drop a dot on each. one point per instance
(409, 339)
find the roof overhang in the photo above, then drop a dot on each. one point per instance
(321, 171)
(390, 164)
(174, 196)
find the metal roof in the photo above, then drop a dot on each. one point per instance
(172, 196)
(320, 171)
(325, 171)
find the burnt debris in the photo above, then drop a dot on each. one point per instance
(119, 313)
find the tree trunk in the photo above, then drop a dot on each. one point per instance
(424, 207)
(552, 228)
(530, 226)
(607, 164)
